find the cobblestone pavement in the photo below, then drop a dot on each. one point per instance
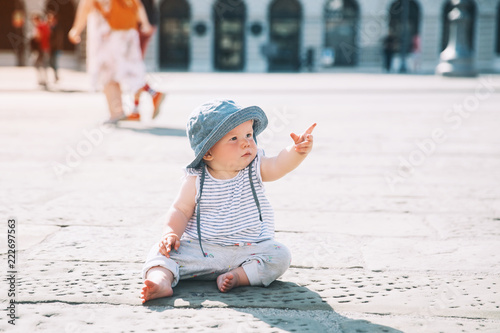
(393, 221)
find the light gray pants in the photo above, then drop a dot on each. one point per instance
(263, 262)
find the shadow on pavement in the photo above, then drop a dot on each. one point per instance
(160, 131)
(262, 304)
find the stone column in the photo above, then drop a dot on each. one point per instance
(457, 57)
(485, 36)
(202, 36)
(371, 29)
(256, 35)
(312, 31)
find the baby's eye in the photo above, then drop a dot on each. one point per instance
(249, 135)
(233, 138)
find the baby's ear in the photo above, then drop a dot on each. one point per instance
(208, 156)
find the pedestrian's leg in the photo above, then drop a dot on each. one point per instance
(113, 94)
(53, 64)
(157, 98)
(137, 97)
(387, 65)
(45, 65)
(39, 66)
(135, 115)
(144, 40)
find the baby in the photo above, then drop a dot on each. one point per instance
(221, 225)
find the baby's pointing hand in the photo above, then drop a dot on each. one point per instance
(169, 242)
(304, 142)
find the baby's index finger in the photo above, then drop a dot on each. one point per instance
(311, 128)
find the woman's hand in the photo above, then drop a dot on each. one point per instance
(74, 36)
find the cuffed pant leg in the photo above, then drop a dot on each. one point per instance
(188, 261)
(155, 259)
(192, 263)
(263, 262)
(269, 260)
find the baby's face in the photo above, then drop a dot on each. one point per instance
(235, 150)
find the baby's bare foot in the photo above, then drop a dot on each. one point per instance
(157, 285)
(227, 281)
(235, 278)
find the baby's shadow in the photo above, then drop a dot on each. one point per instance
(284, 305)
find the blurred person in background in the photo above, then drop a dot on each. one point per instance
(56, 42)
(113, 50)
(40, 44)
(388, 48)
(152, 14)
(144, 39)
(416, 52)
(18, 18)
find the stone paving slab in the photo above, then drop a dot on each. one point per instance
(334, 248)
(86, 216)
(391, 224)
(355, 223)
(63, 317)
(452, 294)
(439, 199)
(419, 256)
(468, 255)
(95, 243)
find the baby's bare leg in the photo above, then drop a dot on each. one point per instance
(235, 278)
(158, 284)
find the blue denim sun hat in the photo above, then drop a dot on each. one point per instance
(212, 120)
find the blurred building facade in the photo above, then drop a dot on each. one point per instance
(289, 35)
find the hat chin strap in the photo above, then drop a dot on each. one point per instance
(202, 181)
(198, 210)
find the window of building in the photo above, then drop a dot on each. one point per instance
(174, 34)
(468, 9)
(285, 23)
(229, 38)
(341, 24)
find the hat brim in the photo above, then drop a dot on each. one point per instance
(230, 122)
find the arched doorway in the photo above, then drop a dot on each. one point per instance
(65, 13)
(229, 38)
(174, 34)
(285, 22)
(341, 21)
(11, 36)
(470, 9)
(498, 30)
(396, 27)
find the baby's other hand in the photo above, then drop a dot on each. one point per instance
(169, 241)
(304, 142)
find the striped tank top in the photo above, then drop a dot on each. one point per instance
(229, 214)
